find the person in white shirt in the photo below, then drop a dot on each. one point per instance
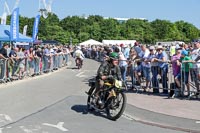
(66, 54)
(146, 65)
(122, 64)
(195, 71)
(79, 54)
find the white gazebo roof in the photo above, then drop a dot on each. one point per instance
(90, 42)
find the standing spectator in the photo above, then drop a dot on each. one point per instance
(3, 55)
(163, 66)
(39, 54)
(135, 66)
(14, 60)
(146, 66)
(21, 56)
(31, 61)
(38, 58)
(46, 58)
(176, 69)
(126, 51)
(172, 50)
(137, 47)
(154, 69)
(55, 58)
(122, 64)
(195, 71)
(66, 54)
(3, 51)
(59, 52)
(186, 65)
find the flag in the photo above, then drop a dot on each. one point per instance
(35, 27)
(14, 26)
(25, 30)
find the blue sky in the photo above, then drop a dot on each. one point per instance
(173, 10)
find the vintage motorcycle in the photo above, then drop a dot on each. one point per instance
(112, 97)
(79, 63)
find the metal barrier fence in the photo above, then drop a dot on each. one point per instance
(11, 69)
(3, 70)
(165, 80)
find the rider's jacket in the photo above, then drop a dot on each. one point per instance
(107, 69)
(79, 54)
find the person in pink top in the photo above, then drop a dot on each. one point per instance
(175, 66)
(176, 69)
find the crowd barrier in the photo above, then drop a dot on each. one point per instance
(163, 80)
(12, 69)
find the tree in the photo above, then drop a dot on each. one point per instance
(188, 31)
(96, 27)
(109, 29)
(95, 31)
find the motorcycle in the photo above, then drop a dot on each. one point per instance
(112, 97)
(79, 63)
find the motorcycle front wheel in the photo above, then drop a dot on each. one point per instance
(116, 106)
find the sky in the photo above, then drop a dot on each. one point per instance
(173, 10)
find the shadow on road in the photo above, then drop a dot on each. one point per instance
(83, 109)
(87, 80)
(80, 109)
(72, 68)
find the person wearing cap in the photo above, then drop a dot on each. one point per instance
(126, 51)
(154, 69)
(163, 67)
(185, 68)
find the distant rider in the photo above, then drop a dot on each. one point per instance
(78, 54)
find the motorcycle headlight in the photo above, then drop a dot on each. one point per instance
(118, 83)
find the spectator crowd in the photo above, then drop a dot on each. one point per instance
(17, 62)
(150, 68)
(164, 69)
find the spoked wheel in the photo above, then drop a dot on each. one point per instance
(116, 106)
(79, 66)
(89, 100)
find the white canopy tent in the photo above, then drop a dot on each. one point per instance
(90, 42)
(118, 42)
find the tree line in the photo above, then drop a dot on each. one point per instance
(75, 29)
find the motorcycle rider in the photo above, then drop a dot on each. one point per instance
(78, 54)
(107, 71)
